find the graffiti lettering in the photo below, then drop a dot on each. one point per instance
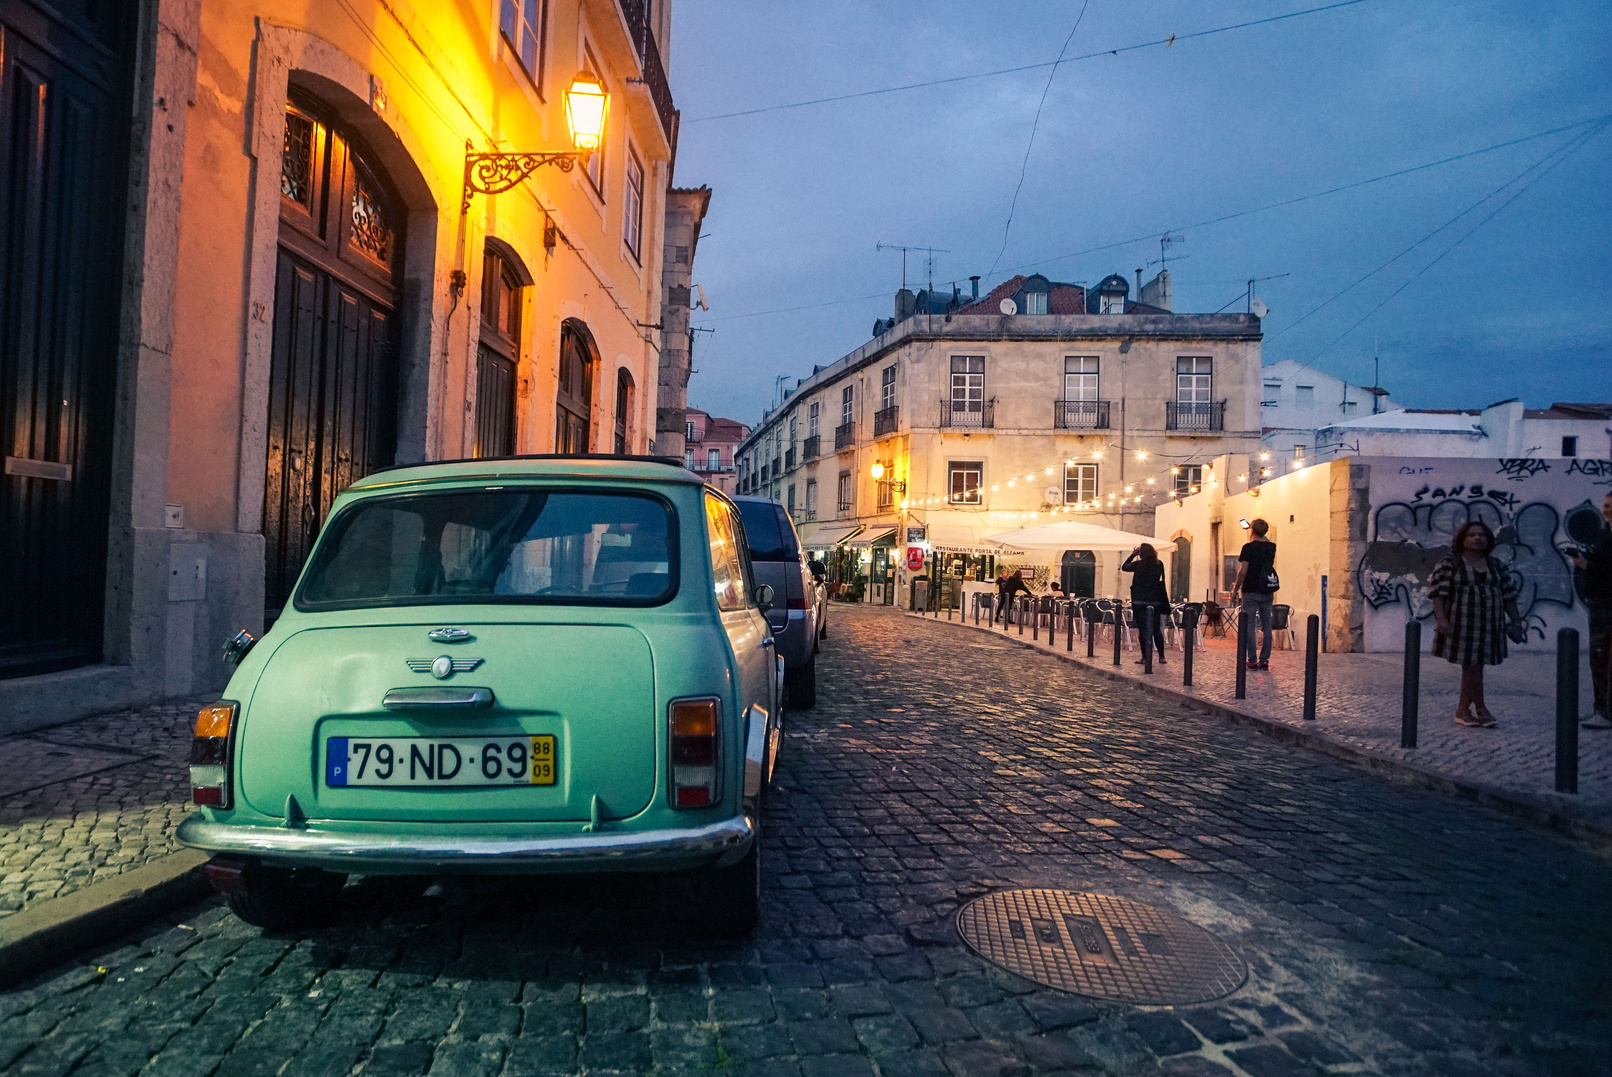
(1416, 470)
(1520, 469)
(1595, 469)
(1503, 499)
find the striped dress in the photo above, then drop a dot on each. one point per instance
(1477, 607)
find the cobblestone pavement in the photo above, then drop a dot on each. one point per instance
(1387, 929)
(92, 799)
(1358, 702)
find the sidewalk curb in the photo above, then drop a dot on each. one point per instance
(54, 930)
(1594, 833)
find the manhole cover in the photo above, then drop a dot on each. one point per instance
(1101, 946)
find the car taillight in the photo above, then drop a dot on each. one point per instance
(209, 755)
(694, 749)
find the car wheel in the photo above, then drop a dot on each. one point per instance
(802, 684)
(728, 899)
(279, 898)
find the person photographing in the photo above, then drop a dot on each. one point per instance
(1147, 592)
(1256, 585)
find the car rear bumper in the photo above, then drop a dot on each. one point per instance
(714, 844)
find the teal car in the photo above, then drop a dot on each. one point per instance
(518, 666)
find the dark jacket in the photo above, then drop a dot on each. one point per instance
(1595, 581)
(1147, 583)
(1008, 587)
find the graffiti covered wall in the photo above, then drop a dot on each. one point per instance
(1536, 508)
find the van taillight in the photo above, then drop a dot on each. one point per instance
(694, 735)
(209, 755)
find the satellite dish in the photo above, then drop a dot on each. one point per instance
(1259, 309)
(1053, 494)
(1007, 306)
(701, 305)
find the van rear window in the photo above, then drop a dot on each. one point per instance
(767, 539)
(510, 545)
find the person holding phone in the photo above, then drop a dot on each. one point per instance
(1147, 591)
(1592, 572)
(1256, 584)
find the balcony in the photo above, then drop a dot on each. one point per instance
(789, 460)
(763, 473)
(807, 514)
(777, 467)
(811, 448)
(1080, 414)
(653, 67)
(845, 506)
(886, 421)
(1208, 417)
(976, 417)
(844, 437)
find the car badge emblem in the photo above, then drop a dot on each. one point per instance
(443, 666)
(450, 635)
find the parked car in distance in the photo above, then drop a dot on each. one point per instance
(779, 561)
(529, 665)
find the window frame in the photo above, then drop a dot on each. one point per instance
(539, 37)
(955, 468)
(848, 404)
(973, 395)
(846, 493)
(1189, 476)
(812, 420)
(741, 553)
(1077, 474)
(1187, 392)
(887, 388)
(1095, 374)
(632, 207)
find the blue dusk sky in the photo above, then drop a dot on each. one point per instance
(1511, 298)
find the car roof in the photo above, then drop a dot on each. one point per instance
(597, 466)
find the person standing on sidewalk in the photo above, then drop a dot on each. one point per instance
(1147, 592)
(1593, 568)
(1006, 588)
(1256, 584)
(1473, 600)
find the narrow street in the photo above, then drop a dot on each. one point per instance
(1386, 929)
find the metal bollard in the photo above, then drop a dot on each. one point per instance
(1242, 660)
(1312, 648)
(1412, 696)
(1146, 629)
(1069, 616)
(1091, 633)
(1035, 621)
(1119, 629)
(977, 598)
(1567, 710)
(1189, 633)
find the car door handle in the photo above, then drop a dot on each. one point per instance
(766, 641)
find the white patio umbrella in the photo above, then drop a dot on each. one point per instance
(1075, 535)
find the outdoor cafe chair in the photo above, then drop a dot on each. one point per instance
(1282, 624)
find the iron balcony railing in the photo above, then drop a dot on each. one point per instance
(777, 467)
(884, 422)
(1080, 414)
(789, 460)
(975, 415)
(764, 474)
(809, 450)
(654, 68)
(1205, 417)
(844, 436)
(845, 506)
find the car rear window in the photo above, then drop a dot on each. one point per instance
(768, 541)
(512, 545)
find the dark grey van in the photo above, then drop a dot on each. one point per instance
(778, 561)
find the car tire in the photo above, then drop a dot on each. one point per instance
(280, 898)
(728, 899)
(801, 685)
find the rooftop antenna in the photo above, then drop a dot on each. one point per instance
(1166, 241)
(929, 251)
(1376, 379)
(1255, 280)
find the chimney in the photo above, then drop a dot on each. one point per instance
(1156, 292)
(906, 303)
(1139, 284)
(975, 281)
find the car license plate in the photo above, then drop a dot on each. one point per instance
(432, 761)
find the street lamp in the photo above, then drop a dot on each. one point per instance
(877, 471)
(587, 104)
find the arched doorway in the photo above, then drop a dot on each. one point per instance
(1181, 569)
(623, 438)
(503, 279)
(574, 397)
(333, 365)
(1079, 573)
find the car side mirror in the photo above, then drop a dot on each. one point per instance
(236, 646)
(764, 597)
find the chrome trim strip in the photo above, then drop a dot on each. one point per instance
(432, 697)
(409, 853)
(755, 747)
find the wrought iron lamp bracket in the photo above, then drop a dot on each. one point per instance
(495, 173)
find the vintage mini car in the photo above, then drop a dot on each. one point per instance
(524, 665)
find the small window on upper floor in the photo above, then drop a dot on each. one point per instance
(1304, 397)
(1570, 446)
(1273, 394)
(632, 206)
(1037, 295)
(524, 24)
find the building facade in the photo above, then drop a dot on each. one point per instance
(709, 445)
(969, 416)
(277, 279)
(1505, 430)
(685, 213)
(1297, 400)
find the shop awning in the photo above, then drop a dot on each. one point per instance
(825, 536)
(873, 537)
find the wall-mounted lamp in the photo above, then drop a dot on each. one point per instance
(587, 105)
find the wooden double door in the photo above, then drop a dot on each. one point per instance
(333, 375)
(65, 72)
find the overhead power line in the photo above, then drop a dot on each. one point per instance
(1164, 42)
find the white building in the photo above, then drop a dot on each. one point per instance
(1506, 430)
(1297, 400)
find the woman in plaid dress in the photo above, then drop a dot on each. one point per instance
(1472, 597)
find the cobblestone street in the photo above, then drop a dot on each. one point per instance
(1387, 929)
